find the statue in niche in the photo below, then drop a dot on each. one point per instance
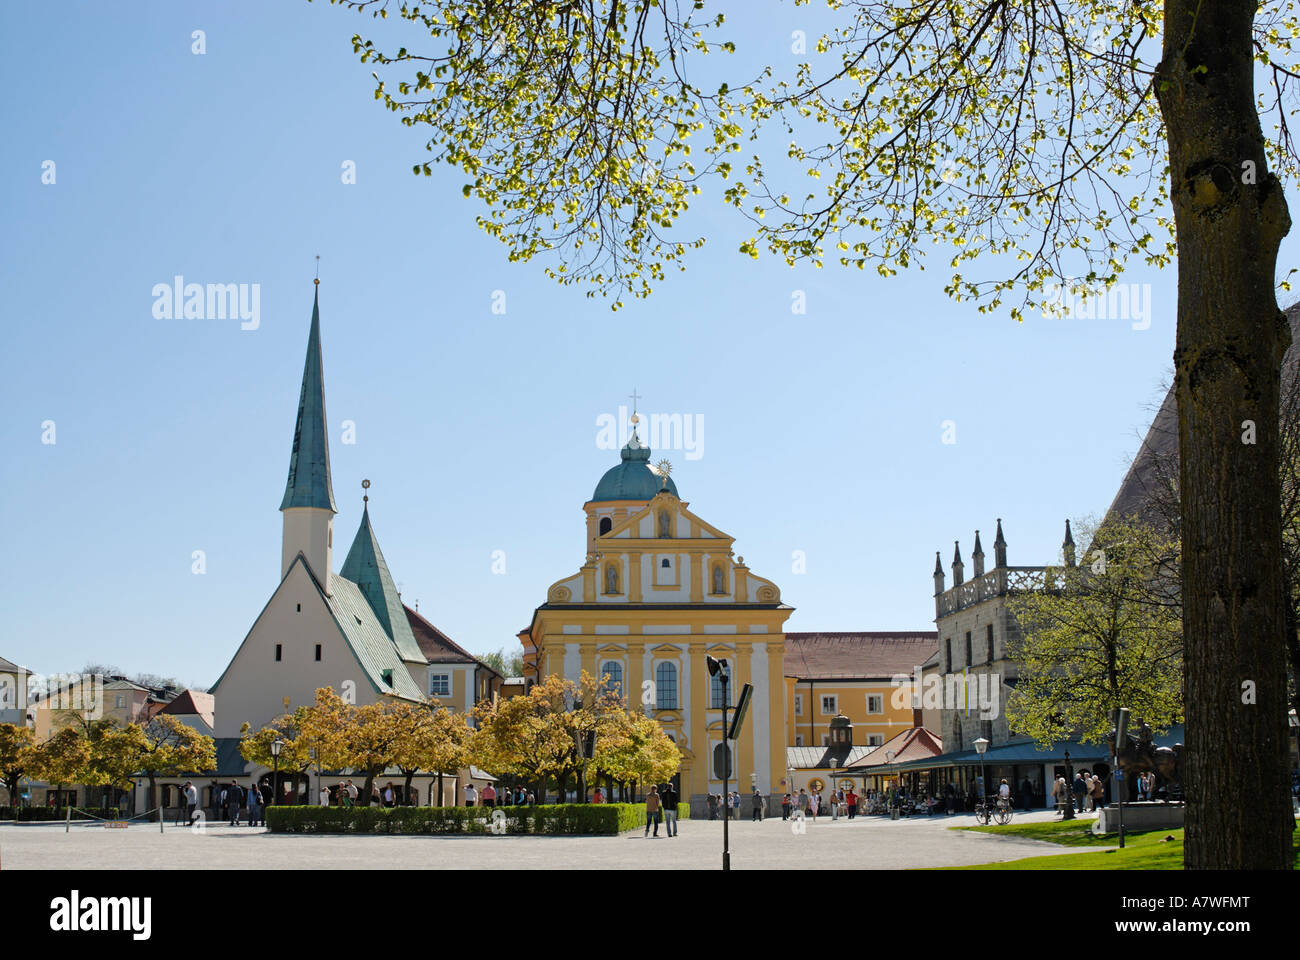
(717, 579)
(611, 579)
(665, 525)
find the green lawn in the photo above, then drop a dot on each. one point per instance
(1074, 833)
(1142, 851)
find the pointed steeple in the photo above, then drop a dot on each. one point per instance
(978, 556)
(365, 566)
(999, 548)
(309, 465)
(1067, 545)
(958, 568)
(938, 574)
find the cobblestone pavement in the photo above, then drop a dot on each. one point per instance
(867, 843)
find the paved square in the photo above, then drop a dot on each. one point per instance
(867, 843)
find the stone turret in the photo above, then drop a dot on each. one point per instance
(999, 548)
(978, 556)
(938, 574)
(958, 568)
(1067, 546)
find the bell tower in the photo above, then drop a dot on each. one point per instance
(308, 504)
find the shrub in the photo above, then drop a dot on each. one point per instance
(572, 819)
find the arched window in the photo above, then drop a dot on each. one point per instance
(722, 762)
(666, 686)
(614, 671)
(666, 564)
(715, 692)
(611, 579)
(606, 525)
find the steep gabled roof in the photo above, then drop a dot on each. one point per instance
(366, 568)
(915, 744)
(309, 464)
(871, 655)
(202, 705)
(368, 639)
(361, 631)
(436, 646)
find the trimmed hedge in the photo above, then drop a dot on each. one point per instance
(36, 814)
(551, 819)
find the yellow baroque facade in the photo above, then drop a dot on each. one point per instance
(659, 590)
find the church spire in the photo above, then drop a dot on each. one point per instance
(978, 556)
(1000, 548)
(309, 464)
(958, 568)
(938, 574)
(1067, 545)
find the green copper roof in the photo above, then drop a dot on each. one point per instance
(365, 635)
(632, 479)
(366, 568)
(309, 466)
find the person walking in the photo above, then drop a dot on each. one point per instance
(390, 798)
(191, 801)
(235, 800)
(785, 807)
(804, 802)
(1026, 793)
(712, 804)
(471, 795)
(256, 808)
(851, 799)
(1098, 793)
(670, 801)
(488, 795)
(350, 794)
(325, 794)
(652, 803)
(758, 806)
(1080, 789)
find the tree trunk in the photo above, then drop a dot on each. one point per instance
(1293, 652)
(366, 790)
(406, 797)
(439, 803)
(1231, 217)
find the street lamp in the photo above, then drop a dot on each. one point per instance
(276, 746)
(980, 746)
(718, 669)
(1068, 812)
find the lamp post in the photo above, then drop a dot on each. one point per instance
(718, 668)
(276, 746)
(1068, 812)
(980, 746)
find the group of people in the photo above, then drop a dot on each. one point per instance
(838, 803)
(228, 801)
(661, 807)
(1088, 792)
(730, 803)
(491, 796)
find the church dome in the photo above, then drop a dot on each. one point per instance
(634, 478)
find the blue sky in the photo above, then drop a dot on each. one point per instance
(822, 432)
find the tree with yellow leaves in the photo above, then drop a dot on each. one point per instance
(170, 748)
(62, 758)
(17, 757)
(437, 742)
